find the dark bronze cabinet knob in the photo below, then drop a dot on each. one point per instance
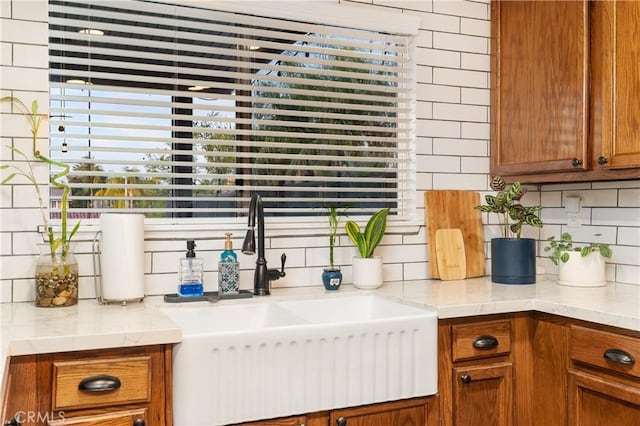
(576, 162)
(602, 160)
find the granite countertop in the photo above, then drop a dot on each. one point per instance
(25, 329)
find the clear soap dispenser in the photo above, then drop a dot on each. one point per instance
(228, 270)
(190, 273)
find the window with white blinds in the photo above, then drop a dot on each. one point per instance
(184, 111)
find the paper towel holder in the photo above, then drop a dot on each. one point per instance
(97, 276)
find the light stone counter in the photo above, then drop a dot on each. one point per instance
(25, 329)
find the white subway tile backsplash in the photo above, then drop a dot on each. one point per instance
(477, 27)
(594, 198)
(438, 129)
(629, 197)
(27, 32)
(628, 274)
(551, 199)
(436, 93)
(424, 181)
(416, 271)
(475, 96)
(475, 165)
(408, 5)
(616, 216)
(472, 182)
(475, 61)
(5, 291)
(459, 112)
(30, 56)
(23, 290)
(424, 110)
(5, 10)
(461, 147)
(6, 53)
(628, 236)
(620, 184)
(27, 79)
(452, 149)
(460, 78)
(14, 267)
(424, 146)
(463, 8)
(30, 10)
(439, 22)
(439, 58)
(460, 42)
(439, 164)
(424, 39)
(626, 255)
(475, 130)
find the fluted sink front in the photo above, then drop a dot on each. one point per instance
(269, 358)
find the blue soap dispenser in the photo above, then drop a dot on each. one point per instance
(190, 273)
(228, 270)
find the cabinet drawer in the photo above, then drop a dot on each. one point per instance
(107, 382)
(480, 339)
(606, 350)
(121, 418)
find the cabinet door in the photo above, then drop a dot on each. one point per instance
(482, 395)
(595, 400)
(315, 419)
(539, 85)
(615, 84)
(413, 412)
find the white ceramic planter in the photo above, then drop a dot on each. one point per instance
(581, 271)
(367, 272)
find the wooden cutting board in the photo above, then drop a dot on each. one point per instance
(450, 257)
(446, 209)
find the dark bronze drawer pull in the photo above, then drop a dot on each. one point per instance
(466, 379)
(619, 356)
(485, 342)
(99, 383)
(341, 421)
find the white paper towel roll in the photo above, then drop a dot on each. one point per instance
(122, 256)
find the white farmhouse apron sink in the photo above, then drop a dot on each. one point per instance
(266, 358)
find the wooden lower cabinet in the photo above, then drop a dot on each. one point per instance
(476, 371)
(482, 394)
(596, 399)
(117, 387)
(409, 412)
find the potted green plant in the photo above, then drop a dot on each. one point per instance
(367, 268)
(513, 258)
(579, 266)
(332, 276)
(57, 270)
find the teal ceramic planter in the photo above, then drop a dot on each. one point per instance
(332, 278)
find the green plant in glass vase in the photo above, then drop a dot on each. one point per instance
(57, 269)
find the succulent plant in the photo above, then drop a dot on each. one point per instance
(506, 204)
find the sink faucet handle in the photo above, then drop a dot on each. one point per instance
(283, 259)
(274, 274)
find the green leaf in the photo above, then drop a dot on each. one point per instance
(353, 231)
(374, 231)
(564, 257)
(605, 251)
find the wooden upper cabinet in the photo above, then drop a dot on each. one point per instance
(615, 84)
(539, 117)
(565, 84)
